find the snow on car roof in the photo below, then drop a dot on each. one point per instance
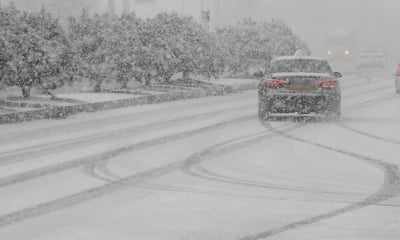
(295, 74)
(297, 58)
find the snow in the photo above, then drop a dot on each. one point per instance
(229, 181)
(284, 58)
(203, 168)
(97, 97)
(234, 81)
(301, 74)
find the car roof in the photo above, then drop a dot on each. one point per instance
(300, 74)
(283, 58)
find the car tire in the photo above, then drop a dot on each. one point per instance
(263, 113)
(335, 114)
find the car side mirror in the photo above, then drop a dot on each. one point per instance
(337, 74)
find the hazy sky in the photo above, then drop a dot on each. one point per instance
(375, 22)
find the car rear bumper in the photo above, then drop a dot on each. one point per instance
(301, 103)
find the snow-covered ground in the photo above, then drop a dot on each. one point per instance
(207, 169)
(96, 97)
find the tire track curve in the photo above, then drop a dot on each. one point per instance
(389, 189)
(207, 174)
(115, 186)
(357, 131)
(24, 154)
(109, 120)
(98, 158)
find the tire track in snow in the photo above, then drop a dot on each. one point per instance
(188, 170)
(389, 189)
(243, 195)
(352, 129)
(368, 91)
(102, 172)
(109, 120)
(208, 192)
(19, 155)
(98, 158)
(136, 179)
(207, 174)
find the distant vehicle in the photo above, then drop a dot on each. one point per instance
(299, 85)
(397, 81)
(371, 58)
(340, 47)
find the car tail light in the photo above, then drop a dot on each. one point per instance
(398, 71)
(328, 83)
(274, 83)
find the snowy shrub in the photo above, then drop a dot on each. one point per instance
(34, 44)
(250, 45)
(87, 36)
(36, 51)
(181, 46)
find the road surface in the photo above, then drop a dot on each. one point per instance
(207, 169)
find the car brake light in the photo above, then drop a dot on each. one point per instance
(398, 71)
(328, 83)
(274, 83)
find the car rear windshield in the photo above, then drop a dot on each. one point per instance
(301, 65)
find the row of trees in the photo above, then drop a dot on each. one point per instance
(33, 50)
(251, 46)
(36, 51)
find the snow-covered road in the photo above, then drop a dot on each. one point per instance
(207, 169)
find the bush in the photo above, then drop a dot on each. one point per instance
(250, 45)
(36, 52)
(33, 46)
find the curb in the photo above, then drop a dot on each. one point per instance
(61, 112)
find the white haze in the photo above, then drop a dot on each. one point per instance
(374, 21)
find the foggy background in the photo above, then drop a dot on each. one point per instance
(374, 22)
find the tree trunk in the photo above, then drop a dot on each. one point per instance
(26, 91)
(147, 81)
(168, 79)
(186, 75)
(53, 96)
(97, 86)
(124, 84)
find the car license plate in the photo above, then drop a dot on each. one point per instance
(302, 86)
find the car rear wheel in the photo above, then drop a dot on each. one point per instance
(333, 116)
(263, 112)
(335, 113)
